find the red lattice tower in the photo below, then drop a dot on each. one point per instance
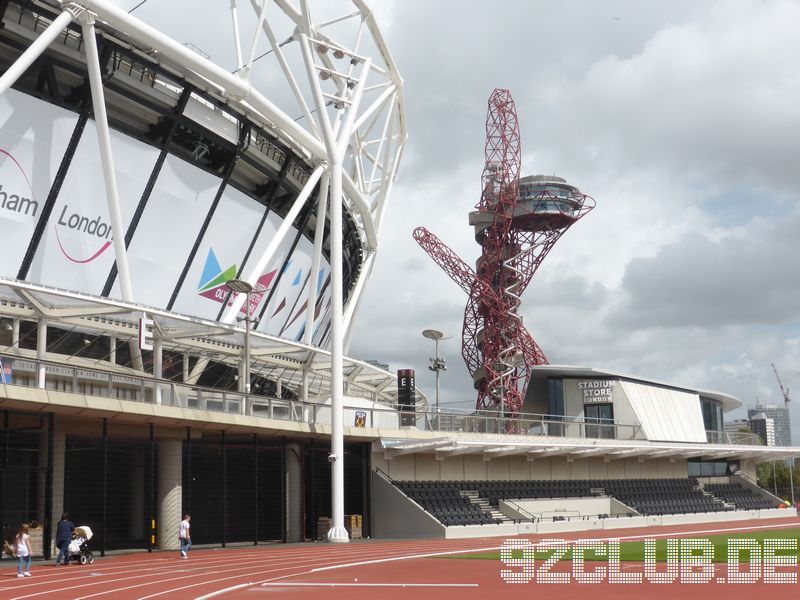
(516, 223)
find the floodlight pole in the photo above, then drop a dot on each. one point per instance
(240, 286)
(437, 364)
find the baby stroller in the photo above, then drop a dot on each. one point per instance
(78, 549)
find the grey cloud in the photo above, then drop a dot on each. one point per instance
(697, 281)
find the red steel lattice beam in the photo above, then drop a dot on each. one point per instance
(515, 235)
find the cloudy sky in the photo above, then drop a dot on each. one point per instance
(680, 118)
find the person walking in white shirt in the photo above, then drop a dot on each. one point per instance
(185, 537)
(22, 547)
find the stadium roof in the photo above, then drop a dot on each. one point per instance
(728, 402)
(495, 446)
(272, 357)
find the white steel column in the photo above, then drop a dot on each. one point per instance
(319, 232)
(355, 298)
(236, 39)
(335, 145)
(106, 157)
(33, 51)
(41, 350)
(158, 366)
(337, 532)
(266, 256)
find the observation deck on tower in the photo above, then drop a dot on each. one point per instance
(545, 202)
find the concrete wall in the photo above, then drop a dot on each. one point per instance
(170, 493)
(396, 516)
(427, 467)
(555, 527)
(552, 507)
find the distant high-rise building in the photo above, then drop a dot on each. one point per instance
(764, 427)
(737, 425)
(779, 416)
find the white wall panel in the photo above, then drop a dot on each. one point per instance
(559, 468)
(540, 469)
(666, 415)
(474, 467)
(289, 303)
(519, 467)
(224, 245)
(33, 138)
(497, 469)
(580, 468)
(452, 468)
(168, 229)
(426, 467)
(76, 251)
(615, 469)
(598, 468)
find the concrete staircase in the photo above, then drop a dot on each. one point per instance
(727, 505)
(484, 505)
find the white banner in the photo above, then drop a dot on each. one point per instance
(220, 255)
(33, 138)
(168, 229)
(77, 248)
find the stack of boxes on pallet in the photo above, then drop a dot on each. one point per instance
(323, 526)
(352, 523)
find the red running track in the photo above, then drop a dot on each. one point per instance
(388, 569)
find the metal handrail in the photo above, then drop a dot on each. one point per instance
(520, 509)
(145, 388)
(734, 437)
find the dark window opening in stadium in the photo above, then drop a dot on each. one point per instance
(599, 420)
(712, 414)
(555, 404)
(708, 468)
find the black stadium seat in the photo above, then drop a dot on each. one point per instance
(444, 501)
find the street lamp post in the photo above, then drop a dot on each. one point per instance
(437, 364)
(240, 286)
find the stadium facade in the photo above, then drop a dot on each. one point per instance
(138, 178)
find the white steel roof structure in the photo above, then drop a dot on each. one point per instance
(304, 369)
(343, 113)
(457, 444)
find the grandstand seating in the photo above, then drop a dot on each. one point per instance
(444, 501)
(743, 498)
(447, 502)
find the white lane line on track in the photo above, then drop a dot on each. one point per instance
(323, 554)
(333, 554)
(226, 590)
(339, 550)
(169, 576)
(553, 535)
(696, 533)
(251, 559)
(357, 585)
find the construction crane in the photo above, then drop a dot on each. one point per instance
(784, 391)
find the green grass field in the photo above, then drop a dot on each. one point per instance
(634, 550)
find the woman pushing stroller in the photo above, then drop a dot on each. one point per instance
(63, 538)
